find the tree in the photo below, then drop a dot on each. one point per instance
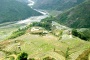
(74, 32)
(81, 35)
(22, 56)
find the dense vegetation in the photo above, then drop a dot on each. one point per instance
(47, 26)
(11, 10)
(49, 19)
(22, 56)
(77, 17)
(56, 4)
(81, 34)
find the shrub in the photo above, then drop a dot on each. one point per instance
(67, 53)
(74, 32)
(18, 33)
(22, 56)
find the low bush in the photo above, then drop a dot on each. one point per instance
(18, 33)
(45, 25)
(22, 56)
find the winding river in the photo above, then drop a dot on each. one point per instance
(34, 18)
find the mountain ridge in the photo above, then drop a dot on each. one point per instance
(56, 4)
(76, 17)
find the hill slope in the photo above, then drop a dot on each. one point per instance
(56, 4)
(23, 1)
(77, 17)
(11, 10)
(39, 47)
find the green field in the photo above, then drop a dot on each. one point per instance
(39, 47)
(59, 47)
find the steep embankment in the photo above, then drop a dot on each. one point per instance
(56, 4)
(77, 17)
(11, 10)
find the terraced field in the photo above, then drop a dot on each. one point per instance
(39, 47)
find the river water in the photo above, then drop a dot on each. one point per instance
(34, 18)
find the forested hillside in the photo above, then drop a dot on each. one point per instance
(77, 17)
(56, 4)
(12, 10)
(23, 1)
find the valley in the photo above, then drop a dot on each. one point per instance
(45, 36)
(12, 26)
